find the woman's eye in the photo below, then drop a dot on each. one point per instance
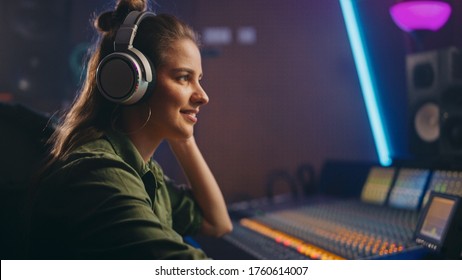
(183, 78)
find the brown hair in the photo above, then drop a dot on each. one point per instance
(90, 113)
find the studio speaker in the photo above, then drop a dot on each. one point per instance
(451, 105)
(434, 82)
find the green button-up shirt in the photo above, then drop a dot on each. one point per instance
(105, 202)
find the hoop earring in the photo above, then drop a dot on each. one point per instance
(116, 118)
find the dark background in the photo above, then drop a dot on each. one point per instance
(292, 97)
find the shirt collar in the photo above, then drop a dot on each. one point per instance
(125, 148)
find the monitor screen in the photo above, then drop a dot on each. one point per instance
(437, 218)
(408, 188)
(377, 185)
(444, 181)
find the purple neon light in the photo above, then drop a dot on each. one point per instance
(420, 15)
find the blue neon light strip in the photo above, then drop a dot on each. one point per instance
(365, 79)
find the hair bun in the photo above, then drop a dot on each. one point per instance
(110, 20)
(131, 5)
(104, 22)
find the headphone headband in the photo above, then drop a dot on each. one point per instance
(127, 31)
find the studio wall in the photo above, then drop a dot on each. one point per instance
(292, 97)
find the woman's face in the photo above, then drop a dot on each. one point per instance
(178, 95)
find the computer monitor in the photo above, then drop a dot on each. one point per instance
(409, 188)
(377, 185)
(439, 226)
(444, 181)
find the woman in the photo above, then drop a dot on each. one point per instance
(101, 195)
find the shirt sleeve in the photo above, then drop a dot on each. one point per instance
(99, 209)
(186, 214)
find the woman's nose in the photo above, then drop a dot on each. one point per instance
(200, 96)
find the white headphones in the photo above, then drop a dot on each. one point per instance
(124, 75)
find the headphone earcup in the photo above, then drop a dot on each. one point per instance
(124, 77)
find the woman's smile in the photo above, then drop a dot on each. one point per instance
(190, 115)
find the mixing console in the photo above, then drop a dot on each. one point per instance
(261, 246)
(380, 224)
(334, 230)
